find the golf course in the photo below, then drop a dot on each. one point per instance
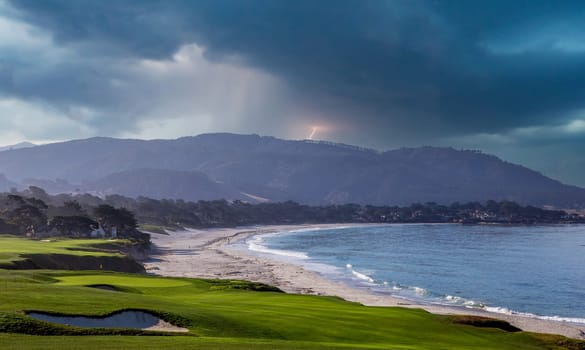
(216, 314)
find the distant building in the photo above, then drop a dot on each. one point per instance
(101, 232)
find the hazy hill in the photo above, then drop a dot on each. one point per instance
(304, 171)
(161, 184)
(5, 184)
(17, 146)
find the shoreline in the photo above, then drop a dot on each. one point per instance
(206, 254)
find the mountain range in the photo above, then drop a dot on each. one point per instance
(259, 168)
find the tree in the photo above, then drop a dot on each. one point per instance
(120, 218)
(28, 215)
(37, 192)
(14, 201)
(69, 208)
(7, 228)
(77, 226)
(28, 218)
(41, 205)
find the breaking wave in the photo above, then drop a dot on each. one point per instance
(256, 244)
(506, 311)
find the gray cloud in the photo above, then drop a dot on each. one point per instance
(379, 73)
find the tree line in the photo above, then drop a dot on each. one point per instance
(33, 212)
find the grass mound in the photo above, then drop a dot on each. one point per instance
(554, 342)
(242, 285)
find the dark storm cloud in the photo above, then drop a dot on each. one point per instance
(134, 28)
(395, 71)
(393, 62)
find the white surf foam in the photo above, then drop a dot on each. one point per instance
(459, 301)
(318, 228)
(506, 311)
(420, 291)
(361, 276)
(256, 244)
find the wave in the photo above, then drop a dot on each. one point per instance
(420, 291)
(255, 244)
(359, 275)
(459, 301)
(413, 292)
(362, 276)
(506, 311)
(317, 228)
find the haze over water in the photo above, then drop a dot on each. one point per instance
(538, 270)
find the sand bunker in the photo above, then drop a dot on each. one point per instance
(104, 287)
(131, 319)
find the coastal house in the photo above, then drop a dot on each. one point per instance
(100, 231)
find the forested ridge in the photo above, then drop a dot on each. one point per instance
(35, 213)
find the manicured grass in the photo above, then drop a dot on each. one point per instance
(224, 318)
(221, 314)
(19, 342)
(11, 248)
(120, 281)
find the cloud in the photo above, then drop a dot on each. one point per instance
(24, 120)
(191, 92)
(394, 63)
(567, 132)
(135, 95)
(555, 150)
(377, 73)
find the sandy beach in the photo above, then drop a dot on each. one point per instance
(207, 254)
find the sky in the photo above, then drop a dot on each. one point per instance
(505, 77)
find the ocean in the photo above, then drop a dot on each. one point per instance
(538, 271)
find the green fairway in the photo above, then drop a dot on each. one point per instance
(11, 248)
(121, 281)
(220, 316)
